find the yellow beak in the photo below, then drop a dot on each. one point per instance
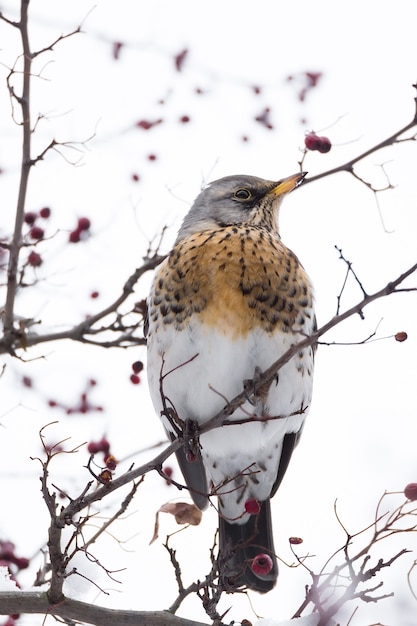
(288, 184)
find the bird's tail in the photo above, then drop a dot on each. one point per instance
(246, 552)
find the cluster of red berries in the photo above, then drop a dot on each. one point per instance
(314, 142)
(81, 231)
(36, 232)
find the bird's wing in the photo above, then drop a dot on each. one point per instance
(194, 475)
(288, 445)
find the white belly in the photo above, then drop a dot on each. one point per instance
(198, 372)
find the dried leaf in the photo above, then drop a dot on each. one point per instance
(183, 512)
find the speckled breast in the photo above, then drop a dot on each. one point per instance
(235, 279)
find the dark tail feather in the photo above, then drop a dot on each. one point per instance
(240, 544)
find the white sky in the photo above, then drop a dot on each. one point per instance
(361, 431)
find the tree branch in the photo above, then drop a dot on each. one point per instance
(29, 602)
(389, 141)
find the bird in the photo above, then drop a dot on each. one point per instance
(228, 301)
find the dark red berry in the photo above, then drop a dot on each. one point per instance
(134, 379)
(83, 223)
(261, 564)
(34, 259)
(135, 178)
(325, 145)
(294, 541)
(312, 141)
(184, 119)
(151, 157)
(45, 212)
(30, 218)
(410, 491)
(36, 232)
(137, 366)
(27, 381)
(74, 236)
(94, 294)
(168, 471)
(252, 506)
(401, 336)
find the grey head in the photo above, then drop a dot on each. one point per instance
(236, 200)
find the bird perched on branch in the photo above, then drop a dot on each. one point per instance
(227, 302)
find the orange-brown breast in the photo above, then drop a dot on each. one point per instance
(235, 279)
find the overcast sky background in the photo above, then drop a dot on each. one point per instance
(361, 432)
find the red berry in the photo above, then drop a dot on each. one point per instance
(137, 366)
(74, 236)
(94, 294)
(168, 471)
(261, 564)
(36, 232)
(252, 506)
(30, 218)
(52, 403)
(151, 157)
(401, 336)
(410, 491)
(311, 141)
(83, 223)
(45, 212)
(184, 119)
(295, 540)
(325, 145)
(34, 259)
(27, 381)
(135, 177)
(134, 379)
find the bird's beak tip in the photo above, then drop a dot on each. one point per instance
(286, 185)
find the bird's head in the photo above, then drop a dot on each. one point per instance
(237, 200)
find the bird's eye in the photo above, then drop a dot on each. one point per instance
(242, 194)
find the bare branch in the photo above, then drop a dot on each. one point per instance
(19, 338)
(37, 603)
